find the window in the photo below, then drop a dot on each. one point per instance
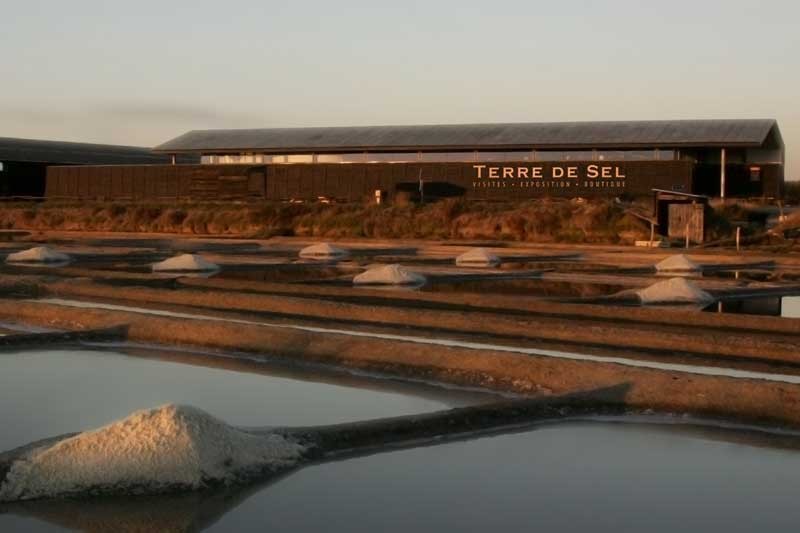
(300, 158)
(610, 155)
(564, 155)
(445, 157)
(357, 157)
(578, 155)
(640, 155)
(522, 155)
(290, 158)
(527, 155)
(392, 157)
(755, 174)
(634, 155)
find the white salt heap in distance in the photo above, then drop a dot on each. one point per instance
(323, 251)
(477, 257)
(185, 263)
(677, 263)
(167, 448)
(39, 254)
(389, 275)
(674, 290)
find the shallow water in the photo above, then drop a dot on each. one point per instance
(590, 477)
(791, 307)
(582, 476)
(784, 306)
(525, 287)
(47, 393)
(578, 476)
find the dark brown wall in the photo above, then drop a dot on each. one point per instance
(356, 182)
(22, 179)
(737, 180)
(156, 182)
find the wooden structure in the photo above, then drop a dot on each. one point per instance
(476, 161)
(351, 182)
(681, 215)
(24, 162)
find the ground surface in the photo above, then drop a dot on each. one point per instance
(551, 319)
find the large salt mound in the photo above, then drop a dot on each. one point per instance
(477, 257)
(39, 254)
(168, 448)
(674, 290)
(323, 251)
(185, 263)
(389, 275)
(677, 263)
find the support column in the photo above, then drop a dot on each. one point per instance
(722, 173)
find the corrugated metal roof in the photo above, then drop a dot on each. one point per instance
(661, 133)
(30, 150)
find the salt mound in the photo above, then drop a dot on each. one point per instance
(389, 275)
(323, 251)
(185, 263)
(674, 290)
(677, 263)
(38, 254)
(156, 450)
(477, 257)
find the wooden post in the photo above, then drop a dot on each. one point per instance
(687, 236)
(738, 236)
(421, 187)
(722, 173)
(652, 233)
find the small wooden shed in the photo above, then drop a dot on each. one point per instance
(680, 213)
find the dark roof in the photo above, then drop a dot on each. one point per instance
(660, 133)
(75, 153)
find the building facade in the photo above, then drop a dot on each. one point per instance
(24, 162)
(728, 158)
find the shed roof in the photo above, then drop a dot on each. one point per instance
(30, 150)
(658, 133)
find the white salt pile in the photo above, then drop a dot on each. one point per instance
(477, 257)
(677, 263)
(38, 254)
(674, 290)
(168, 448)
(389, 275)
(323, 251)
(185, 263)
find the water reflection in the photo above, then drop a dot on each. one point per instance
(784, 306)
(598, 476)
(48, 393)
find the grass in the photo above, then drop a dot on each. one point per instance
(542, 220)
(792, 192)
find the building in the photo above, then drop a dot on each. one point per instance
(729, 158)
(24, 162)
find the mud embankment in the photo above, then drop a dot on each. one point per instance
(714, 340)
(748, 400)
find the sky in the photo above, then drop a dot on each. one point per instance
(144, 72)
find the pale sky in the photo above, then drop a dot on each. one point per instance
(143, 72)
